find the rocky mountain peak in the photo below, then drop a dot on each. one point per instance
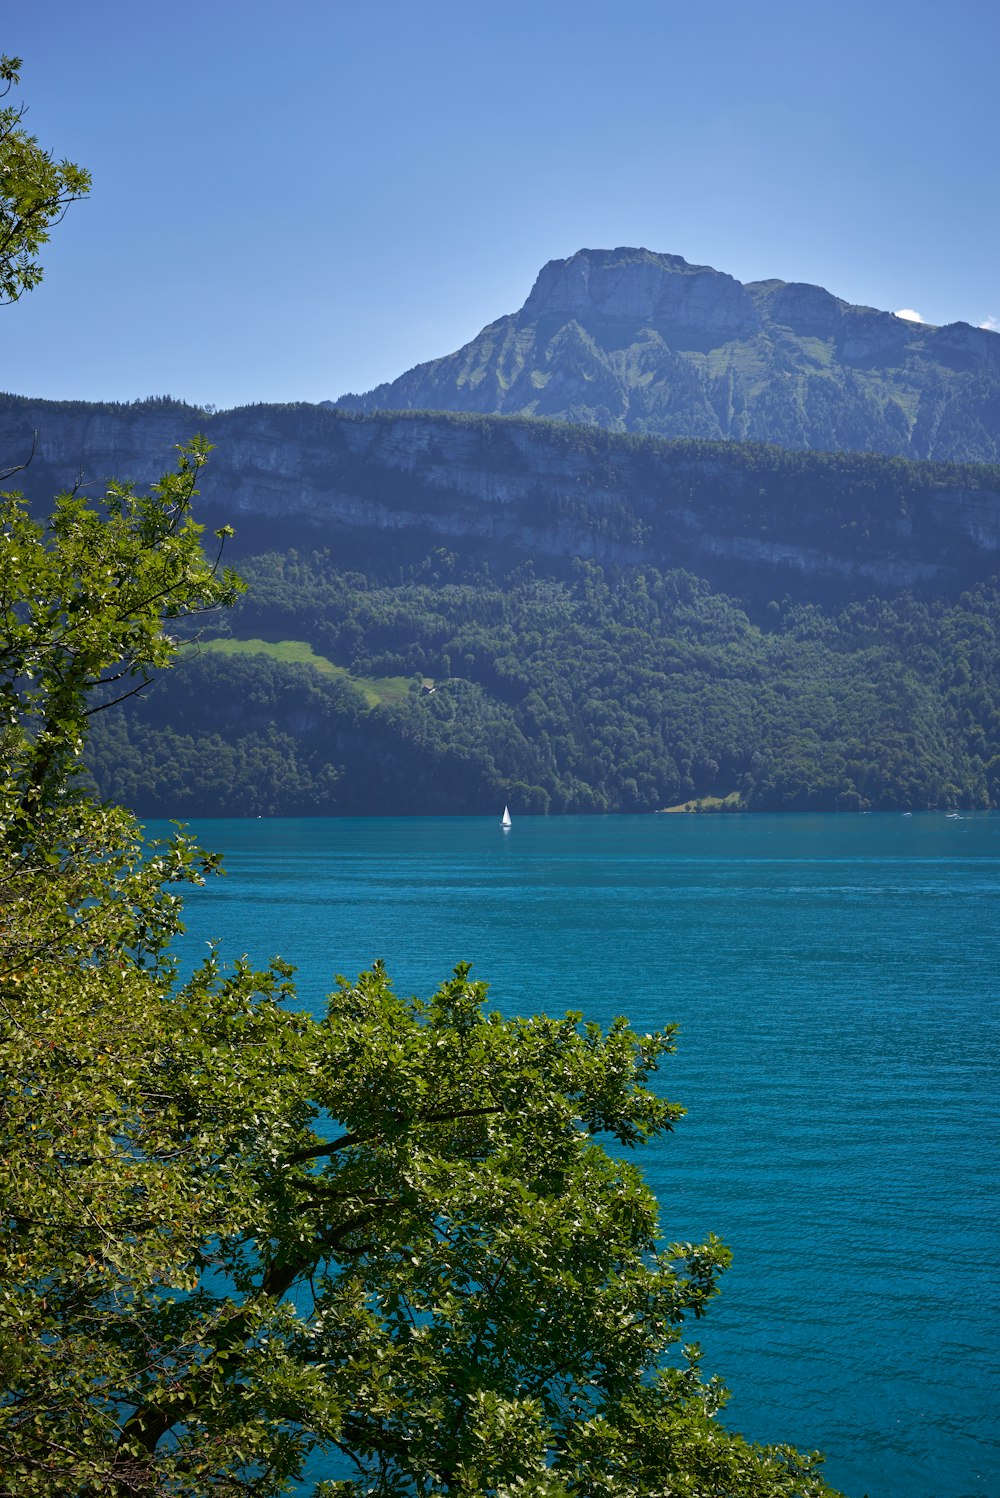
(637, 341)
(639, 286)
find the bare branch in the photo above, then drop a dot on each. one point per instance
(88, 712)
(20, 467)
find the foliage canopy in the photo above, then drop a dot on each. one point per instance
(237, 1237)
(35, 191)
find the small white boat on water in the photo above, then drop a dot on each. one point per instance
(505, 820)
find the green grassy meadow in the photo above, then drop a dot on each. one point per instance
(375, 690)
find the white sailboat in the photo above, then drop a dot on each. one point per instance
(505, 820)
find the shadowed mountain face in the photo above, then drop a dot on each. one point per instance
(641, 342)
(385, 490)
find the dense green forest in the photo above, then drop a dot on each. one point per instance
(606, 690)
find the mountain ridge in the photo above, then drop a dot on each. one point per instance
(638, 341)
(401, 483)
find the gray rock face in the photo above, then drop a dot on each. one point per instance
(805, 309)
(636, 341)
(507, 489)
(866, 334)
(661, 291)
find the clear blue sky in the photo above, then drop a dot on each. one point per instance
(294, 200)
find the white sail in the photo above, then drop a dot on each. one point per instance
(505, 819)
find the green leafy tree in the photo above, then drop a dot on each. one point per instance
(235, 1238)
(35, 191)
(235, 1235)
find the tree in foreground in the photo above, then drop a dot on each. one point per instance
(388, 1243)
(35, 191)
(235, 1240)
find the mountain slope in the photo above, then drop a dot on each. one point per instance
(584, 620)
(641, 342)
(626, 692)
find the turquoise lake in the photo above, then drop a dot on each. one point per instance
(836, 983)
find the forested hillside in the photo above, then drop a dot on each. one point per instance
(631, 690)
(570, 619)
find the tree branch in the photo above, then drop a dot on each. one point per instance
(20, 467)
(88, 712)
(317, 1151)
(149, 1423)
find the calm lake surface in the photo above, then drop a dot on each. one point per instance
(836, 982)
